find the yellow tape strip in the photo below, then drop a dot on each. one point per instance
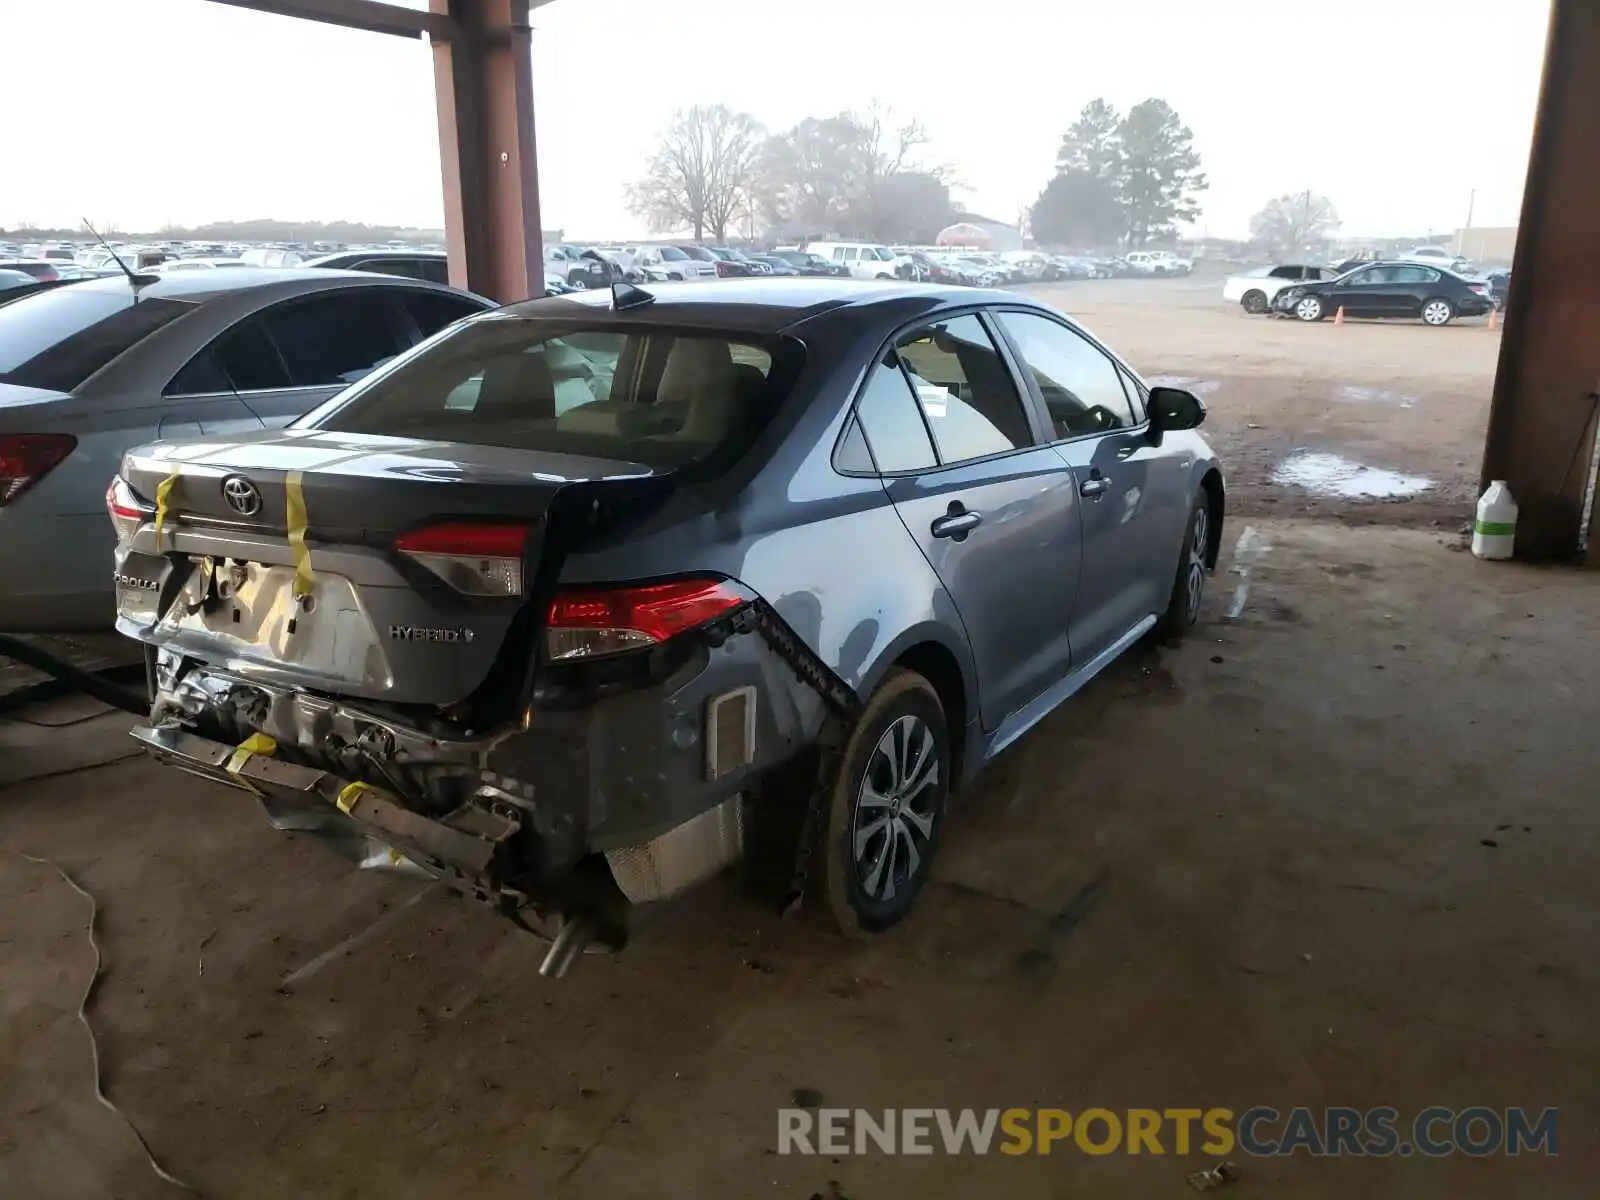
(295, 495)
(256, 743)
(350, 793)
(169, 493)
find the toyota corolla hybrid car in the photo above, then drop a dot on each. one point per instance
(1389, 289)
(580, 600)
(89, 369)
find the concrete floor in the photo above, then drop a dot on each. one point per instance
(1285, 823)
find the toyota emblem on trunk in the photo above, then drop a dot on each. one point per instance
(241, 495)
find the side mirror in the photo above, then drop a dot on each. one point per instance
(1172, 409)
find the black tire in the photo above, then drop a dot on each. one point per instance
(1189, 580)
(1437, 305)
(1310, 308)
(1161, 271)
(1254, 302)
(867, 893)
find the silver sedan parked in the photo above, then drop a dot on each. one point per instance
(89, 369)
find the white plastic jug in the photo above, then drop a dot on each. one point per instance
(1494, 532)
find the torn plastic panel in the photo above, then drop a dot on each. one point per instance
(645, 769)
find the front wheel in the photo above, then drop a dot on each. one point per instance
(1438, 311)
(884, 807)
(1308, 308)
(1255, 302)
(1189, 582)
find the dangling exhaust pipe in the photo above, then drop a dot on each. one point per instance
(573, 937)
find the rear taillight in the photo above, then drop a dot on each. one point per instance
(1479, 288)
(26, 458)
(590, 622)
(478, 559)
(128, 512)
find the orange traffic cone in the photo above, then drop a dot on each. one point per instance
(1338, 317)
(1494, 319)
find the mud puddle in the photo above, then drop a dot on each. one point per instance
(1324, 474)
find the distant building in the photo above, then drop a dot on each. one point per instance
(1486, 244)
(973, 232)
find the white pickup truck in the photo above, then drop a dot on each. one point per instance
(1158, 262)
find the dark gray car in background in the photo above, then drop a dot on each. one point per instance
(89, 369)
(577, 602)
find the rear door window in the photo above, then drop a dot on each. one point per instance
(965, 390)
(335, 337)
(434, 270)
(657, 397)
(432, 311)
(56, 339)
(405, 267)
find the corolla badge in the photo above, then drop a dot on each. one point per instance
(242, 495)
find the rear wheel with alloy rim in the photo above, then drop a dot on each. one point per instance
(884, 808)
(1438, 311)
(1189, 583)
(1308, 308)
(1255, 301)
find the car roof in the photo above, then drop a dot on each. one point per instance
(362, 255)
(199, 286)
(769, 304)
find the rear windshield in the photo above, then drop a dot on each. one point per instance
(56, 339)
(662, 398)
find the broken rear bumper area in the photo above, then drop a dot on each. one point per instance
(598, 797)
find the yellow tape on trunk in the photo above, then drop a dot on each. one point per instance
(256, 743)
(294, 493)
(169, 493)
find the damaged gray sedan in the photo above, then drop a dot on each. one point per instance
(585, 598)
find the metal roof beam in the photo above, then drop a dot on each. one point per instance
(370, 16)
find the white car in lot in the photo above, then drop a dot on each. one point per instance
(1158, 262)
(1438, 256)
(669, 261)
(865, 261)
(1254, 290)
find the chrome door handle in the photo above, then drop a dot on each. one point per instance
(957, 523)
(1094, 487)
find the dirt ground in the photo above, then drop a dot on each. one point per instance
(1395, 395)
(1337, 849)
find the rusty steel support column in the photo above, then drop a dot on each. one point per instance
(484, 78)
(1540, 435)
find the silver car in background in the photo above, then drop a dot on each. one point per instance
(89, 369)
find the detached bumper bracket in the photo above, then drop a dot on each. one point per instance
(466, 841)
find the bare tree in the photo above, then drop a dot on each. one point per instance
(858, 173)
(700, 175)
(1295, 222)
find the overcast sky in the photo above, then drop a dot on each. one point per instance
(145, 112)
